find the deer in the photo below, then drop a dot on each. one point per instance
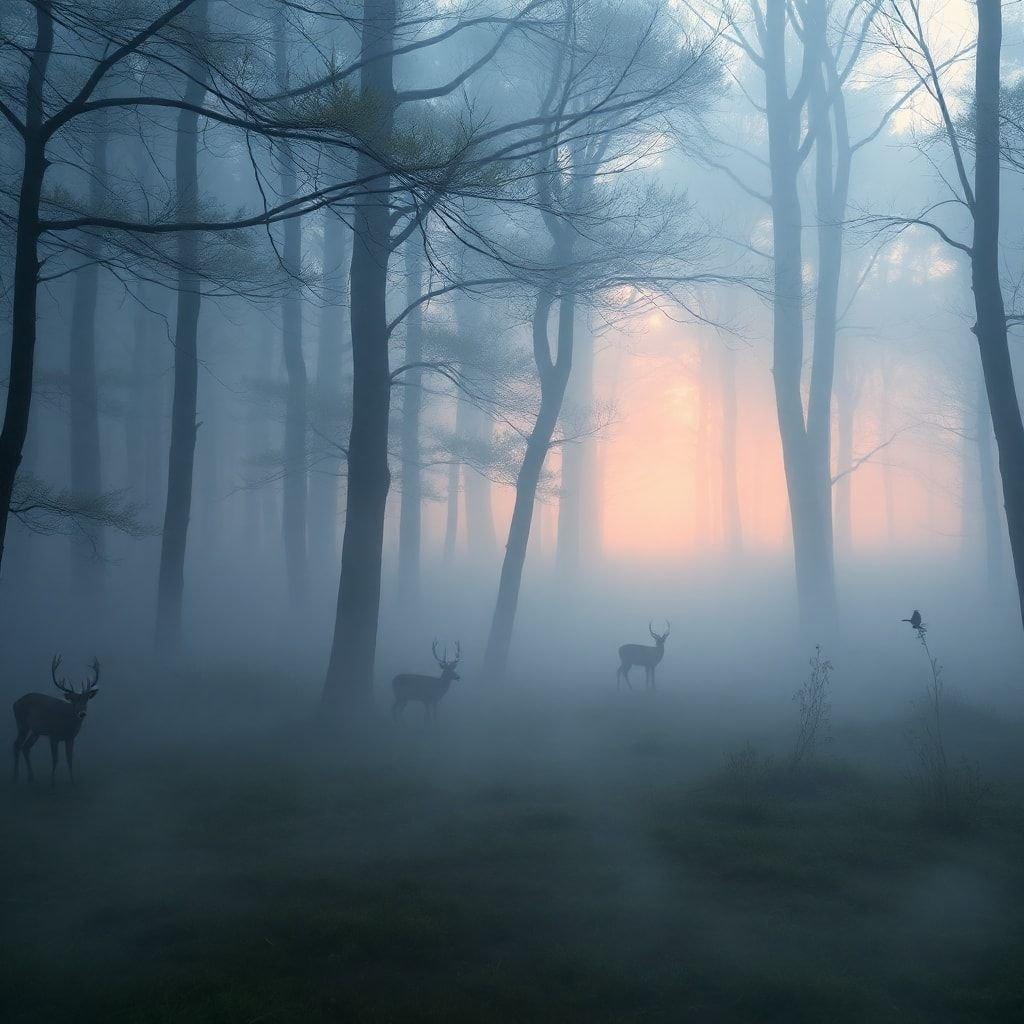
(428, 690)
(642, 654)
(37, 715)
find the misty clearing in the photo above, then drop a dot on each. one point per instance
(522, 506)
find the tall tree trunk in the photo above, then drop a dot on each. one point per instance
(84, 421)
(805, 446)
(554, 375)
(294, 510)
(990, 327)
(410, 516)
(349, 681)
(732, 524)
(323, 483)
(26, 272)
(181, 459)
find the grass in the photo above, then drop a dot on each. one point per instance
(532, 861)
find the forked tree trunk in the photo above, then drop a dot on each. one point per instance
(409, 523)
(349, 682)
(26, 272)
(554, 376)
(84, 421)
(805, 448)
(990, 327)
(181, 459)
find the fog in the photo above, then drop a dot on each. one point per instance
(543, 487)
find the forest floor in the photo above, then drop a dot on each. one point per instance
(619, 857)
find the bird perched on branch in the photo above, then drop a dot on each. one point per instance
(915, 621)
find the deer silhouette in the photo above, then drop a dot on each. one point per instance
(643, 655)
(427, 690)
(37, 715)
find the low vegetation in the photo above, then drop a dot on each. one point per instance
(594, 858)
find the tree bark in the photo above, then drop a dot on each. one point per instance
(410, 515)
(181, 458)
(26, 272)
(554, 376)
(349, 682)
(990, 327)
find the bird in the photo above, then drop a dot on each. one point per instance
(915, 620)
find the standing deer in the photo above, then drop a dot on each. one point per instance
(59, 720)
(428, 690)
(642, 654)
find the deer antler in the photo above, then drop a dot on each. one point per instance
(664, 636)
(61, 684)
(442, 659)
(90, 684)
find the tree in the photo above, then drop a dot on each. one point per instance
(382, 223)
(808, 116)
(115, 60)
(908, 36)
(353, 650)
(590, 252)
(171, 578)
